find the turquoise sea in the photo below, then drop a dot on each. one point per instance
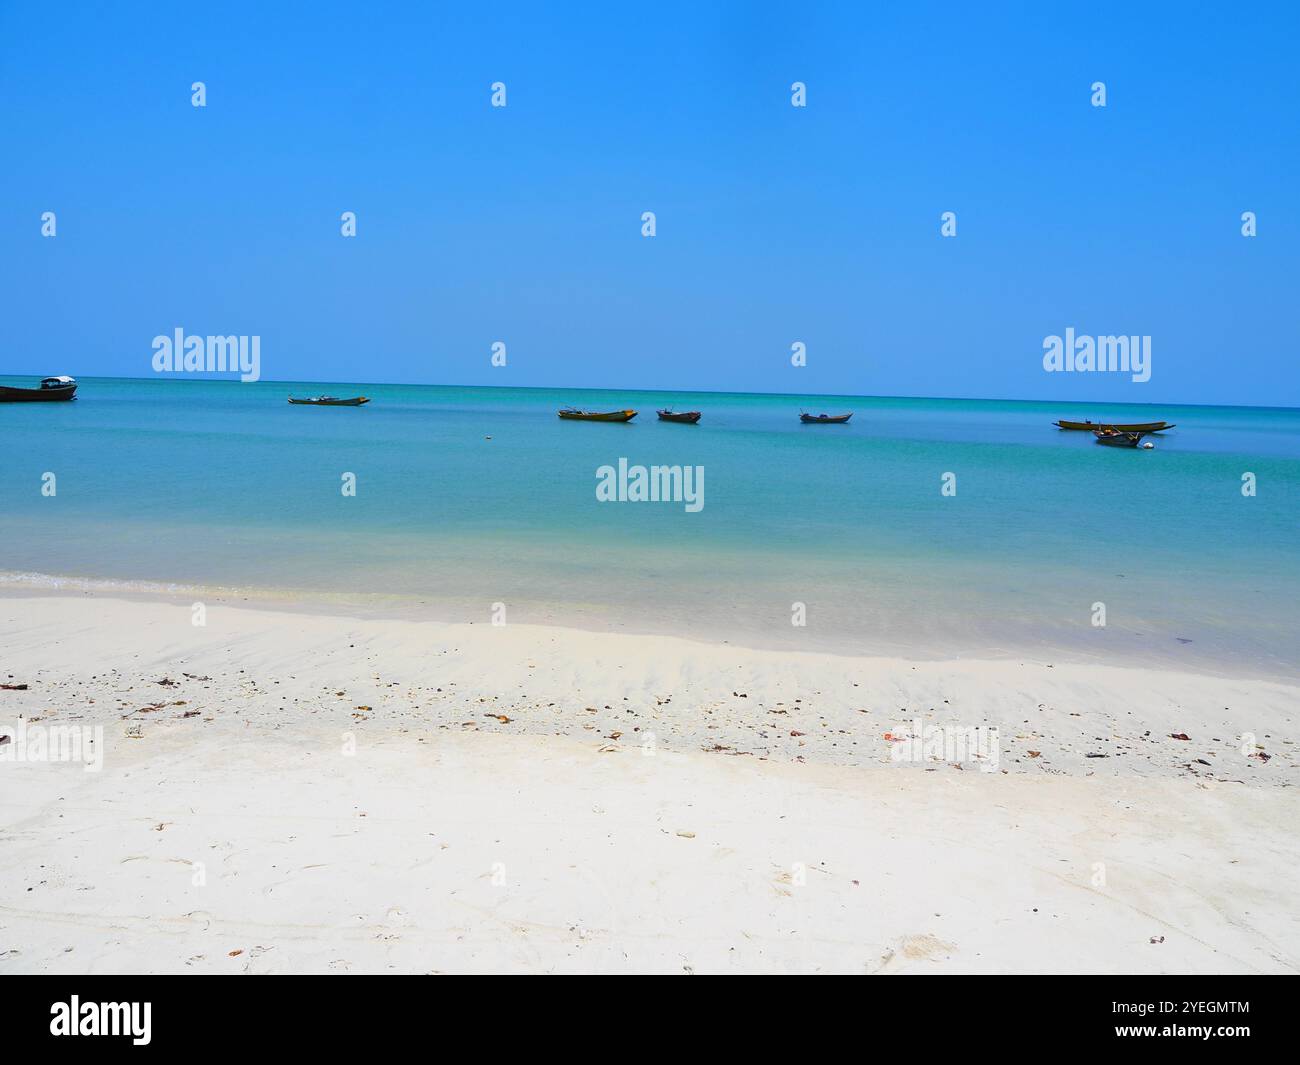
(468, 497)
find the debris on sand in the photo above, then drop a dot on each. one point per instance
(150, 709)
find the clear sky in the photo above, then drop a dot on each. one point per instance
(775, 224)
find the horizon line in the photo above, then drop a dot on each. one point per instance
(201, 378)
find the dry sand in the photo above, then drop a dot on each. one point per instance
(313, 793)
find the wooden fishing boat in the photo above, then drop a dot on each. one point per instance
(331, 401)
(52, 390)
(689, 417)
(1115, 438)
(825, 419)
(1123, 427)
(573, 414)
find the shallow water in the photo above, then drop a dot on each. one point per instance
(203, 483)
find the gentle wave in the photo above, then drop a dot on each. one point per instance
(61, 583)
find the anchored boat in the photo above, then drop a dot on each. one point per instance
(573, 414)
(825, 419)
(689, 417)
(1123, 427)
(331, 401)
(1116, 438)
(52, 390)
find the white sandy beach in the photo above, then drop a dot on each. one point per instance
(316, 793)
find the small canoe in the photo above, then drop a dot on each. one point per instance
(52, 390)
(331, 401)
(1123, 427)
(689, 417)
(575, 415)
(825, 419)
(1114, 438)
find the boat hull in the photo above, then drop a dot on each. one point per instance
(588, 416)
(1123, 427)
(1120, 439)
(819, 419)
(685, 417)
(36, 395)
(354, 402)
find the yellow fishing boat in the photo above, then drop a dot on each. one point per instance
(573, 414)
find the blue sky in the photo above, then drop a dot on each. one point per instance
(775, 224)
